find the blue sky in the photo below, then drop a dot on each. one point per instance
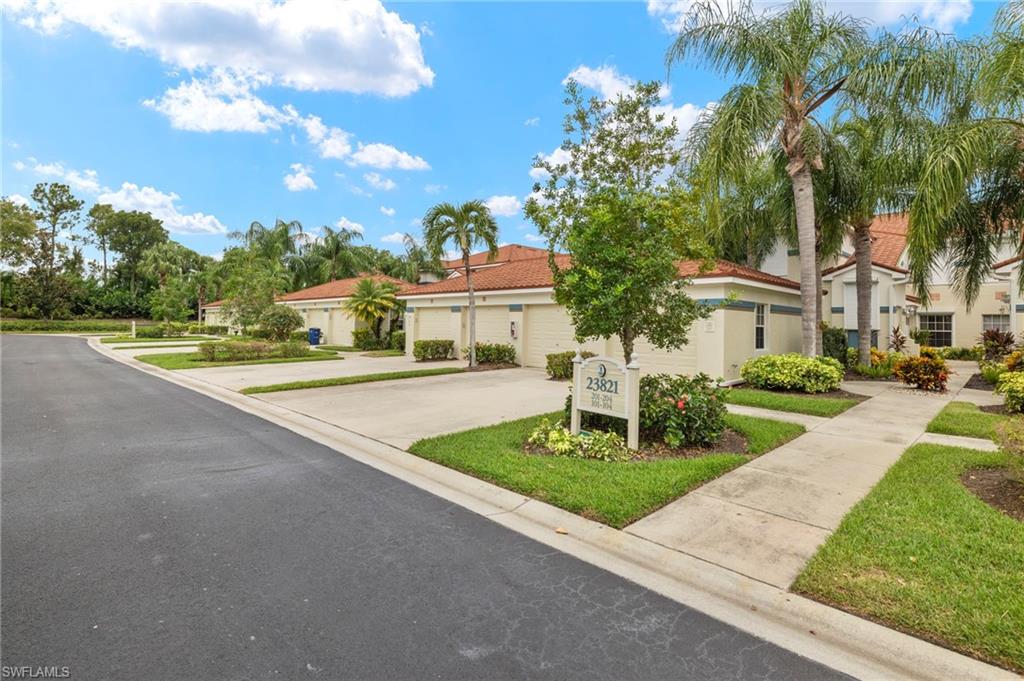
(220, 112)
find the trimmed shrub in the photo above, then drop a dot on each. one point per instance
(397, 341)
(279, 321)
(364, 339)
(926, 372)
(239, 351)
(833, 343)
(557, 440)
(293, 349)
(559, 364)
(299, 337)
(991, 371)
(494, 353)
(173, 329)
(793, 371)
(208, 329)
(1011, 386)
(976, 353)
(852, 357)
(66, 325)
(148, 331)
(433, 349)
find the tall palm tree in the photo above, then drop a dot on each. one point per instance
(970, 197)
(467, 227)
(335, 251)
(371, 302)
(418, 260)
(166, 260)
(273, 243)
(795, 61)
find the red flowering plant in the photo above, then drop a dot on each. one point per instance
(681, 410)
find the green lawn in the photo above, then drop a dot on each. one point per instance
(191, 360)
(615, 493)
(349, 380)
(336, 348)
(964, 418)
(384, 353)
(800, 404)
(924, 555)
(150, 346)
(129, 339)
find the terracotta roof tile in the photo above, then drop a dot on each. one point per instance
(339, 288)
(535, 273)
(506, 253)
(888, 240)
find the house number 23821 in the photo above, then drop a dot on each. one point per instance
(603, 385)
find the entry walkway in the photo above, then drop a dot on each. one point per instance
(766, 519)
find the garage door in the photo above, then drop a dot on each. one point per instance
(340, 332)
(491, 324)
(317, 318)
(548, 330)
(433, 322)
(655, 361)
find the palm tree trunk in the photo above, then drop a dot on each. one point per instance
(818, 312)
(103, 244)
(803, 197)
(862, 253)
(472, 310)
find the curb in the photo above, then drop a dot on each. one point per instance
(832, 637)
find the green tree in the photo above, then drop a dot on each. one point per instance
(466, 227)
(418, 260)
(279, 321)
(250, 287)
(172, 301)
(130, 234)
(272, 243)
(970, 196)
(624, 219)
(98, 230)
(371, 301)
(334, 249)
(794, 61)
(59, 212)
(166, 260)
(17, 234)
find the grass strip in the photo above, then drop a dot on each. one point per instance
(151, 346)
(384, 353)
(614, 493)
(336, 348)
(799, 404)
(922, 554)
(964, 418)
(193, 360)
(349, 380)
(129, 339)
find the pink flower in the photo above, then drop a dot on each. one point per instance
(681, 404)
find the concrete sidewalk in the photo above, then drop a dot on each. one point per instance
(766, 519)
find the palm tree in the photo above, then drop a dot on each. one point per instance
(418, 260)
(335, 251)
(273, 243)
(208, 279)
(970, 196)
(371, 301)
(166, 260)
(306, 268)
(795, 61)
(468, 226)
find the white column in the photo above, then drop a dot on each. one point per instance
(633, 405)
(577, 362)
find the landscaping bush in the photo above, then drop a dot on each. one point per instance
(1010, 436)
(852, 357)
(559, 364)
(279, 321)
(793, 371)
(1014, 361)
(556, 439)
(433, 349)
(833, 343)
(925, 372)
(293, 348)
(240, 351)
(149, 331)
(364, 339)
(495, 353)
(976, 353)
(995, 343)
(1011, 386)
(991, 371)
(921, 336)
(397, 341)
(678, 410)
(897, 341)
(299, 336)
(65, 326)
(208, 329)
(173, 329)
(873, 371)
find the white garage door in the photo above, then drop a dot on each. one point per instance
(433, 322)
(548, 330)
(655, 361)
(316, 318)
(491, 324)
(340, 332)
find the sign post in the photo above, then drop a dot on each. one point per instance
(602, 385)
(133, 328)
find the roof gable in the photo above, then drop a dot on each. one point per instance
(339, 288)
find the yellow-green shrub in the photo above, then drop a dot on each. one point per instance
(793, 371)
(1011, 386)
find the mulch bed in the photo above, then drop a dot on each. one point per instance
(977, 382)
(491, 367)
(998, 488)
(995, 409)
(731, 442)
(854, 376)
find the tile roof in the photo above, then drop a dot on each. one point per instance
(535, 273)
(506, 253)
(339, 288)
(888, 240)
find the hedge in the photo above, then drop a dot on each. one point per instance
(436, 348)
(66, 326)
(239, 351)
(559, 364)
(793, 371)
(397, 341)
(494, 353)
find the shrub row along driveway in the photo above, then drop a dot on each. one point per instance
(150, 532)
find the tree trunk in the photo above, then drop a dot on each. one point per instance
(472, 310)
(818, 312)
(628, 340)
(103, 245)
(803, 197)
(862, 253)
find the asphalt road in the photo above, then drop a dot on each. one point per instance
(153, 533)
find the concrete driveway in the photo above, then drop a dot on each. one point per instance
(403, 411)
(354, 364)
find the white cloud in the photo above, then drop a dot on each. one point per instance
(19, 165)
(557, 157)
(331, 142)
(345, 223)
(378, 181)
(359, 191)
(534, 238)
(532, 122)
(940, 14)
(434, 188)
(161, 206)
(224, 101)
(393, 238)
(605, 79)
(505, 206)
(299, 180)
(390, 212)
(302, 44)
(78, 180)
(18, 200)
(385, 157)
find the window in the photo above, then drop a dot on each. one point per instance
(759, 319)
(939, 328)
(999, 322)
